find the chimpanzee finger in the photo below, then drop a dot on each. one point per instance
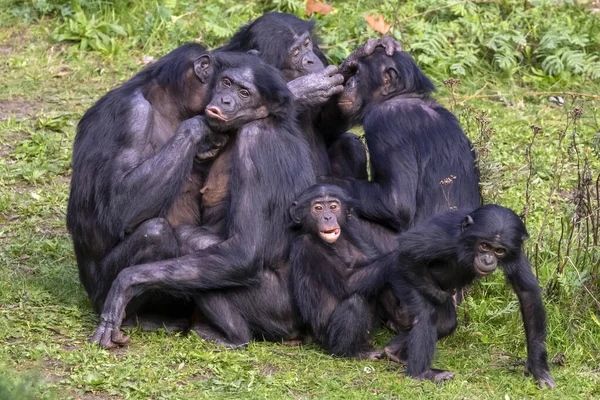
(331, 70)
(337, 79)
(336, 90)
(390, 45)
(368, 47)
(118, 337)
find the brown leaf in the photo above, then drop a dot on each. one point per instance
(378, 23)
(314, 6)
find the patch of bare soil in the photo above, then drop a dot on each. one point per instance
(17, 107)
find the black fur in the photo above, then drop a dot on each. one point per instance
(333, 151)
(243, 282)
(129, 165)
(414, 144)
(340, 321)
(438, 256)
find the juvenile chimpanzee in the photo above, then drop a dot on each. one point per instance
(296, 54)
(327, 250)
(241, 285)
(421, 161)
(132, 158)
(443, 255)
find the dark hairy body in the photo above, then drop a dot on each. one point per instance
(443, 255)
(330, 245)
(240, 285)
(421, 161)
(134, 175)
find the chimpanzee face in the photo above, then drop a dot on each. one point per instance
(487, 256)
(326, 212)
(236, 101)
(375, 79)
(301, 58)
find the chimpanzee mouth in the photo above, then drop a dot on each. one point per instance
(214, 112)
(330, 236)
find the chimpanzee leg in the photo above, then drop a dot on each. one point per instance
(350, 328)
(152, 240)
(397, 349)
(348, 157)
(225, 324)
(422, 340)
(446, 322)
(194, 238)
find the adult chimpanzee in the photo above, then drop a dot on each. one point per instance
(132, 157)
(443, 255)
(241, 284)
(421, 161)
(296, 54)
(329, 247)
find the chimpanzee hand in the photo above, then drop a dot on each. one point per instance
(211, 146)
(348, 67)
(316, 88)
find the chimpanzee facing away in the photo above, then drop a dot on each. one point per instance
(133, 155)
(421, 161)
(443, 255)
(327, 250)
(241, 285)
(296, 54)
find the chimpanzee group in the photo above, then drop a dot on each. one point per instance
(220, 192)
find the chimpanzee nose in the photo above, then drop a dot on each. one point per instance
(327, 217)
(309, 62)
(225, 100)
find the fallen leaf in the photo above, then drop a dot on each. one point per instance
(314, 6)
(378, 23)
(60, 74)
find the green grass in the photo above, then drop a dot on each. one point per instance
(46, 319)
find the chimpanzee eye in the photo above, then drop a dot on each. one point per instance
(500, 252)
(244, 93)
(484, 247)
(333, 207)
(318, 208)
(307, 42)
(226, 82)
(296, 52)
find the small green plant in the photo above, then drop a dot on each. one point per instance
(89, 33)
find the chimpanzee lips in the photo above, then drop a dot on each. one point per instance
(330, 236)
(214, 112)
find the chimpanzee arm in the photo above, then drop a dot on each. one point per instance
(147, 188)
(231, 263)
(534, 318)
(390, 198)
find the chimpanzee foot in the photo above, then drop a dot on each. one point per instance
(395, 354)
(108, 335)
(543, 378)
(151, 323)
(435, 375)
(372, 355)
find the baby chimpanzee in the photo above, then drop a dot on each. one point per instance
(327, 250)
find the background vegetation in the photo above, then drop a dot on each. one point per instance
(523, 76)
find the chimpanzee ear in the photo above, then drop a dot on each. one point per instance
(254, 52)
(468, 221)
(391, 81)
(296, 217)
(203, 67)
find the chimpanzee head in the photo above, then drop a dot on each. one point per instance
(246, 89)
(491, 234)
(380, 77)
(283, 41)
(322, 210)
(186, 73)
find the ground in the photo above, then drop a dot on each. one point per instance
(46, 319)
